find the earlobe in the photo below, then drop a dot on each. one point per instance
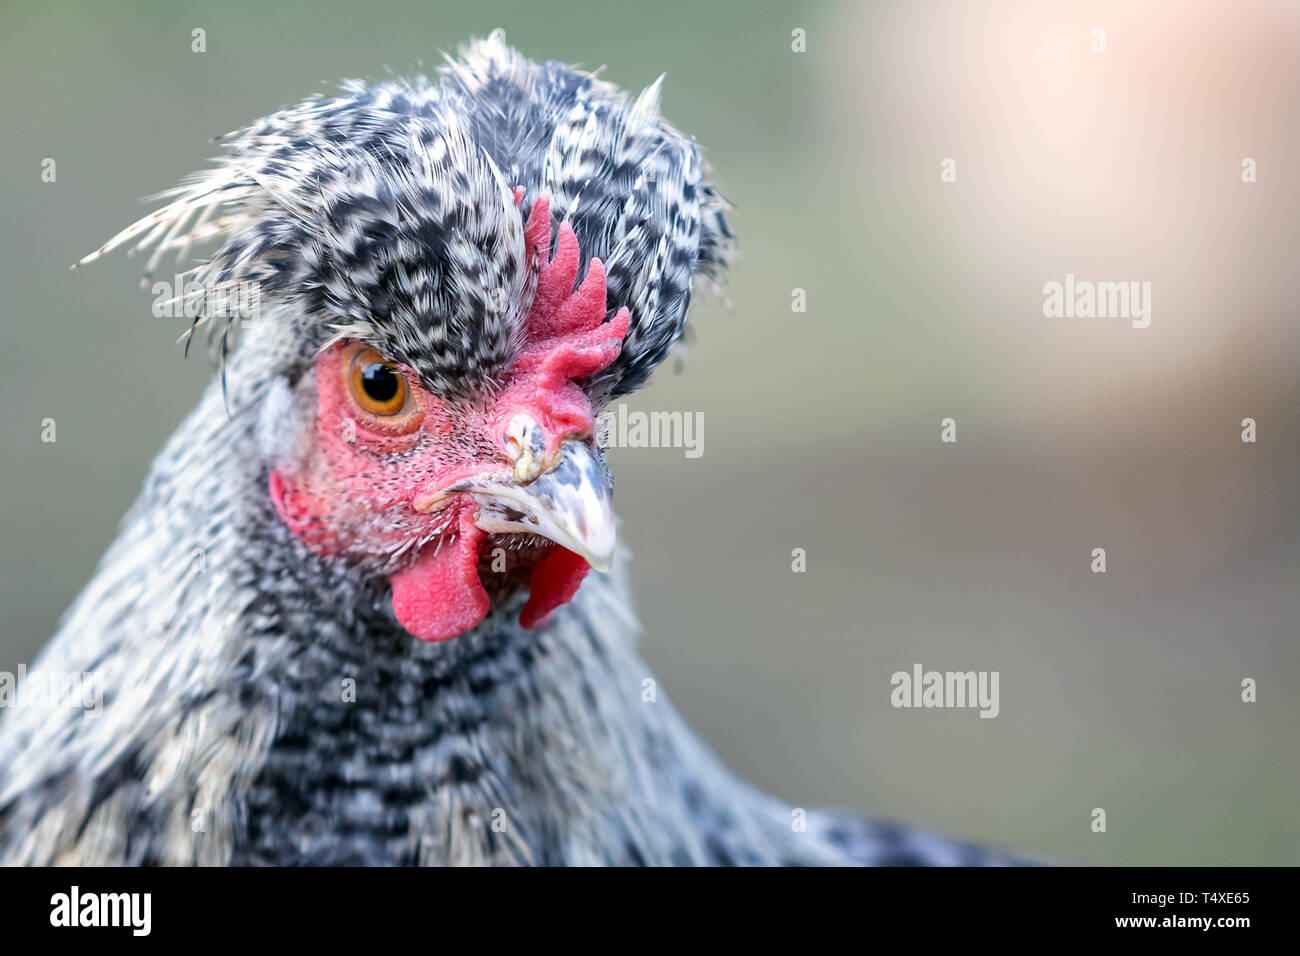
(287, 503)
(285, 429)
(303, 513)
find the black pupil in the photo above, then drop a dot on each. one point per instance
(379, 381)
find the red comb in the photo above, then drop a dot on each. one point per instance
(566, 335)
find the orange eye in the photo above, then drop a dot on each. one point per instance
(376, 385)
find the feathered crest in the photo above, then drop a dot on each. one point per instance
(387, 212)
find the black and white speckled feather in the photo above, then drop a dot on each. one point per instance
(388, 214)
(228, 734)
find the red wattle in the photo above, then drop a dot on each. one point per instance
(553, 582)
(440, 595)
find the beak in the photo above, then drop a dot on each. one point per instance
(571, 504)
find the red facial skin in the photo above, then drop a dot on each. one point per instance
(352, 496)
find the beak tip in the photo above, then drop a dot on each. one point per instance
(569, 503)
(601, 563)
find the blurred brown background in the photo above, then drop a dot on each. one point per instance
(925, 300)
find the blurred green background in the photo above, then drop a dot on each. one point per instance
(1120, 690)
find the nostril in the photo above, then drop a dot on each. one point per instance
(526, 447)
(523, 435)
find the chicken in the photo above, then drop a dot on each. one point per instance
(349, 619)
